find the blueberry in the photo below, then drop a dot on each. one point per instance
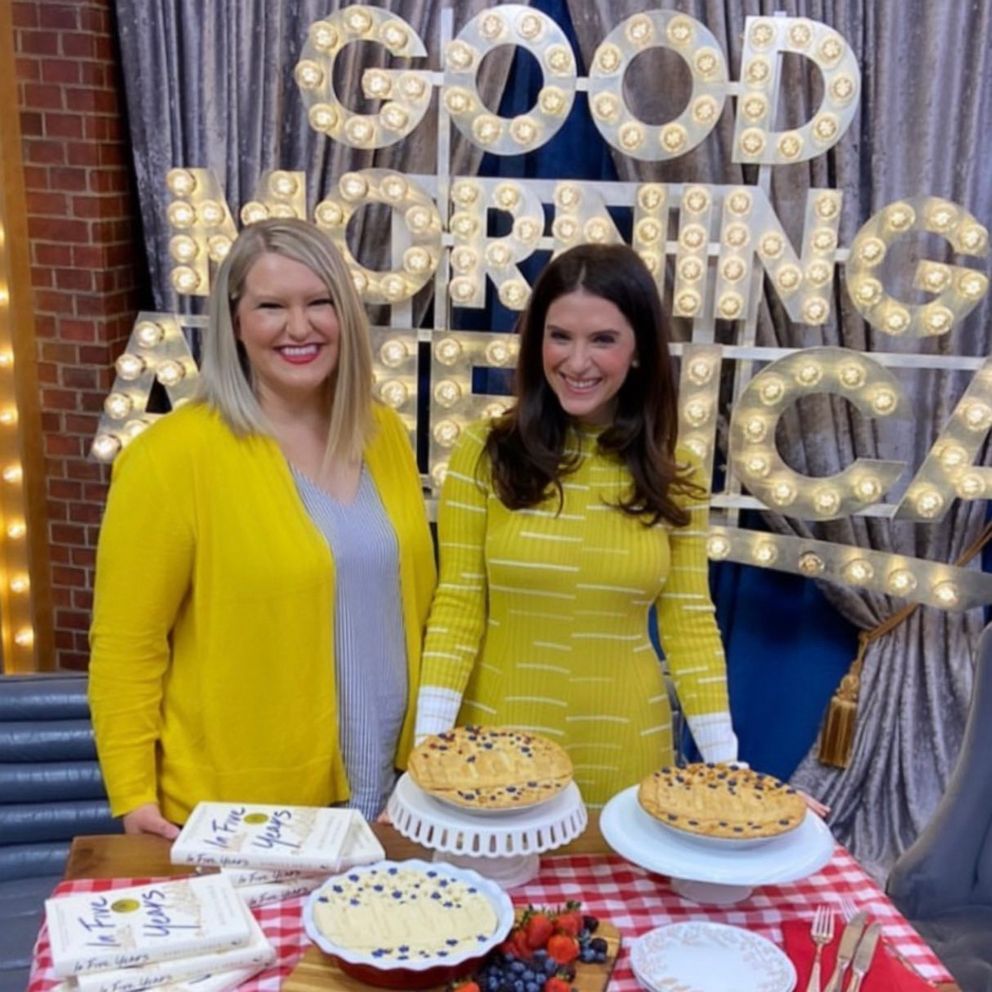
(550, 966)
(540, 954)
(518, 985)
(532, 986)
(518, 967)
(528, 975)
(598, 945)
(590, 923)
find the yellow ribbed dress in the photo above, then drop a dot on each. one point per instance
(540, 621)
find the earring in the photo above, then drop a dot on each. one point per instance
(635, 363)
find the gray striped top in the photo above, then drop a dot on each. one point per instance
(369, 646)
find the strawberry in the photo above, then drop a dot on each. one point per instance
(563, 948)
(538, 927)
(467, 987)
(556, 984)
(569, 921)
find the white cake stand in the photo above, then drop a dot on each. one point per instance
(713, 871)
(504, 845)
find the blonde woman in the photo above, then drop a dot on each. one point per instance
(265, 567)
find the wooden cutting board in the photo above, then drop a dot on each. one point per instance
(316, 972)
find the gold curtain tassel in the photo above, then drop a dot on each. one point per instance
(837, 737)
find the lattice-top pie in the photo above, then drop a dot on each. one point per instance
(490, 767)
(721, 801)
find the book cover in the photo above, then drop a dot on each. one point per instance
(217, 981)
(259, 895)
(123, 928)
(362, 847)
(304, 838)
(257, 953)
(241, 877)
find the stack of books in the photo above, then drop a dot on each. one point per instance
(275, 852)
(191, 933)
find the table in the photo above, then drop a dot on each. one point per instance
(576, 869)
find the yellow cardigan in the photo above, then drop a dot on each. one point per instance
(212, 666)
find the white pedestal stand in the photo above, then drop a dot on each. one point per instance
(504, 845)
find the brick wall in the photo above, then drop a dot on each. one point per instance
(84, 245)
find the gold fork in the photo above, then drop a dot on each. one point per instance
(822, 932)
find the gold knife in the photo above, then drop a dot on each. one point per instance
(863, 956)
(848, 941)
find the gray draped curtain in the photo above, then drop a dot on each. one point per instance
(209, 84)
(924, 126)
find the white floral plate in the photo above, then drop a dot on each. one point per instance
(698, 956)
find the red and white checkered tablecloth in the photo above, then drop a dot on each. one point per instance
(632, 899)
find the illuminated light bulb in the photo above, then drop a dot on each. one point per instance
(492, 26)
(359, 280)
(825, 127)
(446, 433)
(183, 248)
(417, 261)
(118, 405)
(762, 34)
(282, 210)
(783, 493)
(858, 571)
(765, 553)
(323, 36)
(673, 138)
(973, 238)
(459, 101)
(842, 89)
(815, 311)
(210, 213)
(730, 306)
(758, 465)
(486, 129)
(758, 71)
(606, 108)
(513, 294)
(717, 547)
(648, 231)
(867, 291)
(607, 59)
(530, 27)
(824, 239)
(308, 74)
(20, 584)
(977, 416)
(464, 224)
(940, 218)
(651, 196)
(900, 581)
(896, 319)
(707, 62)
(809, 373)
(181, 215)
(105, 448)
(752, 142)
(697, 446)
(12, 474)
(170, 372)
(946, 593)
(413, 87)
(631, 136)
(597, 231)
(700, 371)
(218, 245)
(972, 285)
(680, 31)
(180, 182)
(394, 36)
(871, 251)
(928, 503)
(353, 186)
(465, 192)
(253, 211)
(419, 218)
(790, 145)
(640, 30)
(447, 393)
(498, 353)
(811, 564)
(463, 289)
(463, 259)
(771, 389)
(732, 270)
(460, 56)
(134, 427)
(329, 214)
(393, 117)
(755, 107)
(552, 101)
(868, 488)
(439, 473)
(507, 195)
(736, 235)
(952, 456)
(818, 273)
(24, 638)
(830, 49)
(884, 401)
(494, 410)
(739, 203)
(696, 200)
(970, 486)
(498, 255)
(705, 110)
(283, 183)
(8, 417)
(184, 279)
(826, 501)
(447, 351)
(826, 206)
(651, 260)
(690, 269)
(697, 412)
(568, 195)
(800, 35)
(359, 130)
(688, 302)
(394, 287)
(935, 277)
(771, 245)
(523, 130)
(899, 216)
(559, 60)
(149, 333)
(788, 278)
(565, 229)
(693, 237)
(394, 393)
(393, 353)
(129, 366)
(755, 429)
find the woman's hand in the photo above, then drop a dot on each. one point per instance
(815, 805)
(148, 819)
